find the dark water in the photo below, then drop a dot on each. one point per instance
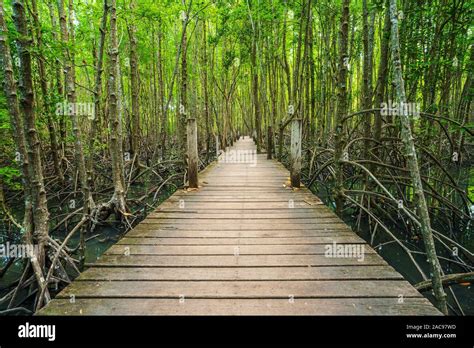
(107, 236)
(104, 237)
(396, 257)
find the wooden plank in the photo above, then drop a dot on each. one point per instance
(285, 215)
(279, 189)
(270, 222)
(326, 306)
(147, 231)
(241, 204)
(231, 188)
(250, 213)
(243, 194)
(239, 241)
(283, 195)
(358, 250)
(234, 261)
(232, 225)
(267, 221)
(259, 273)
(222, 205)
(240, 289)
(244, 180)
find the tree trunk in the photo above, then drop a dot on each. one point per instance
(17, 128)
(59, 87)
(205, 89)
(135, 85)
(341, 106)
(255, 97)
(40, 213)
(99, 69)
(412, 162)
(382, 76)
(161, 87)
(115, 123)
(183, 107)
(367, 73)
(47, 107)
(67, 37)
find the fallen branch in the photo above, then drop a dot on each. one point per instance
(447, 280)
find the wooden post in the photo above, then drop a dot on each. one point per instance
(192, 153)
(269, 142)
(295, 152)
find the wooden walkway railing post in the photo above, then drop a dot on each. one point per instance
(295, 153)
(192, 153)
(269, 142)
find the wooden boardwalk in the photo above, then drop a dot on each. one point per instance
(244, 243)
